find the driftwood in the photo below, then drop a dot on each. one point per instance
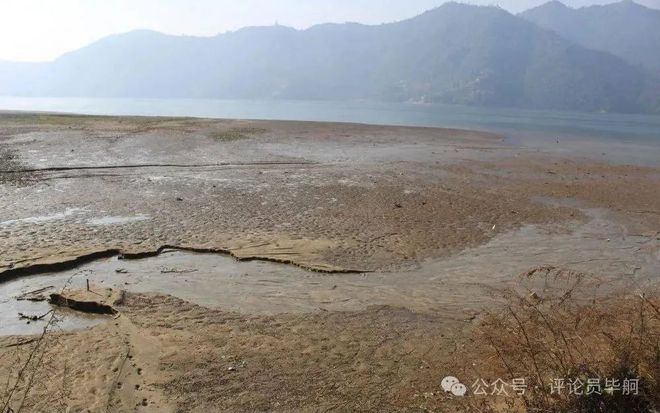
(93, 307)
(34, 295)
(176, 271)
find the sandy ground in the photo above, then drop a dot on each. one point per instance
(376, 250)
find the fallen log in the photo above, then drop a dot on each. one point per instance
(93, 307)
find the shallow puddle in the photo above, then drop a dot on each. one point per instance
(44, 218)
(11, 308)
(206, 279)
(457, 286)
(117, 220)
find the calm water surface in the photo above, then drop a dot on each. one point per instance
(516, 124)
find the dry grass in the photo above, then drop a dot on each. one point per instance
(560, 336)
(12, 169)
(31, 364)
(25, 381)
(234, 134)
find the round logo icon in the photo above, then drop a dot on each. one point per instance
(448, 382)
(458, 389)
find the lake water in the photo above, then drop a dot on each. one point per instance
(514, 123)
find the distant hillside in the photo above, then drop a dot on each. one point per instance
(625, 29)
(452, 54)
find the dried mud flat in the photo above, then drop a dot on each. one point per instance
(395, 243)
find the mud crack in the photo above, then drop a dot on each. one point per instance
(10, 170)
(16, 272)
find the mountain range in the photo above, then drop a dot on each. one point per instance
(551, 57)
(625, 29)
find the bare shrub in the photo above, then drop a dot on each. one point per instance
(567, 335)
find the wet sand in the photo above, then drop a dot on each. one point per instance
(356, 249)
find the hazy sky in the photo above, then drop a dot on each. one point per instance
(35, 30)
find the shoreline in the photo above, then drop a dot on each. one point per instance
(619, 147)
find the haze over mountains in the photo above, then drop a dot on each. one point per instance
(604, 58)
(624, 29)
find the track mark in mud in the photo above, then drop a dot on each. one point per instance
(13, 273)
(154, 165)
